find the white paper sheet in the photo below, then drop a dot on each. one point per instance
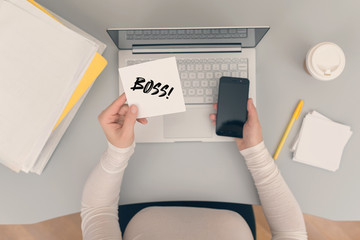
(158, 89)
(321, 142)
(57, 134)
(40, 67)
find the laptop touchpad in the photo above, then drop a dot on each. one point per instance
(194, 123)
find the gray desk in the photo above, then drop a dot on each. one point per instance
(209, 171)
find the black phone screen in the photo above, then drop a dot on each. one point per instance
(232, 106)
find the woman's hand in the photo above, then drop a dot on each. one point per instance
(252, 129)
(117, 122)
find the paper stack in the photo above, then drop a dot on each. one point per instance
(320, 142)
(46, 69)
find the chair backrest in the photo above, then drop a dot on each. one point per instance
(127, 211)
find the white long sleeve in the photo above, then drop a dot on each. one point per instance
(280, 206)
(99, 210)
(99, 207)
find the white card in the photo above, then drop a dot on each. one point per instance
(321, 142)
(154, 87)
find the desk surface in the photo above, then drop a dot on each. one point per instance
(209, 171)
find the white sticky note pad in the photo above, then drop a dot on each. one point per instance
(321, 142)
(154, 87)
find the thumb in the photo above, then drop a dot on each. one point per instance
(252, 114)
(130, 118)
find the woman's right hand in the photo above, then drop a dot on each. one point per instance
(117, 122)
(252, 134)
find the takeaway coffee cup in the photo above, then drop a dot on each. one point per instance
(325, 61)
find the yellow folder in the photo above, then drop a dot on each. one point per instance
(96, 66)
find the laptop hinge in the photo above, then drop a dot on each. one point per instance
(186, 48)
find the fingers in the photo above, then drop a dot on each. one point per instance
(111, 112)
(213, 119)
(215, 106)
(213, 115)
(115, 107)
(251, 109)
(130, 118)
(125, 108)
(252, 113)
(142, 120)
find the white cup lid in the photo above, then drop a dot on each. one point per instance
(325, 61)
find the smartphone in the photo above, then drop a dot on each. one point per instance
(232, 106)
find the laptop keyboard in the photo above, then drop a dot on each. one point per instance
(166, 34)
(200, 77)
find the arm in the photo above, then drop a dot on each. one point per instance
(280, 207)
(99, 206)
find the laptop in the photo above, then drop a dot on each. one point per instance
(203, 55)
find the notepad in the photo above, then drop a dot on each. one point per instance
(320, 142)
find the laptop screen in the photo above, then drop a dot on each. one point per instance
(247, 37)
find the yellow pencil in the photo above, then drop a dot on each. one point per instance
(288, 128)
